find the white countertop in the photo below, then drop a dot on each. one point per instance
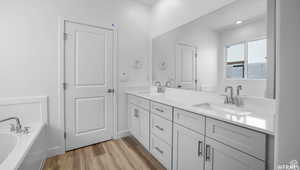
(260, 118)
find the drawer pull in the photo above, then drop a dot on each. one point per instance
(159, 150)
(207, 153)
(160, 110)
(159, 128)
(200, 148)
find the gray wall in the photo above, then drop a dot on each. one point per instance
(288, 141)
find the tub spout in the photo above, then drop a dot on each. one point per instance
(18, 128)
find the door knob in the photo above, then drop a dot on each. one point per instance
(110, 90)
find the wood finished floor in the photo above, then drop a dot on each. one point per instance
(121, 154)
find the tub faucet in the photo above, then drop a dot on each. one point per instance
(17, 128)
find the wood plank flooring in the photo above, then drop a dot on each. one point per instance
(121, 154)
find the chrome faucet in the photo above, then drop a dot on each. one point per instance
(160, 88)
(17, 128)
(238, 89)
(168, 83)
(229, 99)
(238, 99)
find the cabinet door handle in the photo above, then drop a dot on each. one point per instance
(200, 148)
(159, 150)
(160, 110)
(207, 152)
(159, 128)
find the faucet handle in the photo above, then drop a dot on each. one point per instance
(157, 83)
(226, 101)
(168, 83)
(26, 130)
(238, 89)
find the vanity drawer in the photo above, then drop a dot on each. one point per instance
(251, 142)
(144, 103)
(162, 128)
(161, 110)
(190, 120)
(161, 151)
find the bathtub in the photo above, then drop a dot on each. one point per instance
(23, 151)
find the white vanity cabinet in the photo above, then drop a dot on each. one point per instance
(201, 143)
(188, 149)
(219, 156)
(182, 140)
(245, 140)
(161, 128)
(139, 118)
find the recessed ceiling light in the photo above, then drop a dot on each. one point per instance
(239, 22)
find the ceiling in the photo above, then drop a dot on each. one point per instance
(148, 2)
(226, 17)
(245, 10)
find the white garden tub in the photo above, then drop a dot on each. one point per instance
(7, 144)
(23, 151)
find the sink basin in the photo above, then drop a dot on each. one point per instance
(222, 108)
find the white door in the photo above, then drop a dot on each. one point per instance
(222, 157)
(186, 59)
(88, 67)
(188, 149)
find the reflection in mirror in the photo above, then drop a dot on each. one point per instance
(246, 60)
(231, 46)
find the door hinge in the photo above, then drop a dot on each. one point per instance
(64, 85)
(65, 135)
(65, 36)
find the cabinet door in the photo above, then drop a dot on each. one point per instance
(134, 121)
(139, 124)
(222, 157)
(188, 149)
(144, 123)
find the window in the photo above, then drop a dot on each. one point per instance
(235, 62)
(246, 60)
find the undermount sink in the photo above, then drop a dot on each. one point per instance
(222, 108)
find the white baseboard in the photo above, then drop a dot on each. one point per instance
(61, 150)
(123, 133)
(55, 151)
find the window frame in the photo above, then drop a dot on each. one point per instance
(245, 43)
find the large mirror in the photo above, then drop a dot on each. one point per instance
(234, 45)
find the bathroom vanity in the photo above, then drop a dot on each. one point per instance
(191, 131)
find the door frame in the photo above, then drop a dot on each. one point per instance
(61, 72)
